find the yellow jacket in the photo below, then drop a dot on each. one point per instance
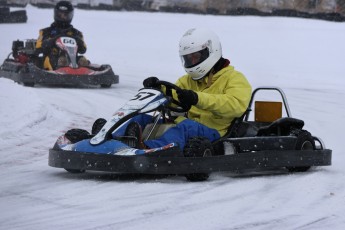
(226, 98)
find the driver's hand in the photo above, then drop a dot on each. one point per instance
(48, 43)
(151, 82)
(187, 97)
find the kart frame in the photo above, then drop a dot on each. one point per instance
(232, 153)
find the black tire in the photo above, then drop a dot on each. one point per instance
(105, 85)
(98, 125)
(198, 147)
(29, 84)
(305, 141)
(75, 171)
(76, 135)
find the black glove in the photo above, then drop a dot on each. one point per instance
(47, 44)
(151, 82)
(187, 97)
(50, 41)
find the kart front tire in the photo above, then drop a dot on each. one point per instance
(76, 135)
(305, 141)
(105, 85)
(75, 171)
(29, 84)
(198, 147)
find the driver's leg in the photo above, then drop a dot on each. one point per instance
(46, 63)
(141, 119)
(62, 62)
(83, 61)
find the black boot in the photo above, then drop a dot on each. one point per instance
(134, 131)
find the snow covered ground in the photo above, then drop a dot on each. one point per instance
(303, 57)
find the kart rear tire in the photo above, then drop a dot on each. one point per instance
(304, 142)
(198, 147)
(75, 171)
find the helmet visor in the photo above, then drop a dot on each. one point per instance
(194, 59)
(63, 16)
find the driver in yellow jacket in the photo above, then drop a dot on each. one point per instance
(214, 90)
(218, 102)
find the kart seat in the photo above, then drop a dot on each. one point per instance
(241, 128)
(244, 129)
(281, 127)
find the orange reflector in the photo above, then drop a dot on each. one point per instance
(268, 111)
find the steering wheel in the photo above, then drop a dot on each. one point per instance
(181, 108)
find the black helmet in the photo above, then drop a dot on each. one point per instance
(63, 12)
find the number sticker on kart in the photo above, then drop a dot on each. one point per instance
(143, 97)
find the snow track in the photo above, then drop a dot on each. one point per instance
(303, 57)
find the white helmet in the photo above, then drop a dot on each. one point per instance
(200, 49)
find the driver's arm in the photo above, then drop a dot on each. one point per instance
(80, 41)
(43, 43)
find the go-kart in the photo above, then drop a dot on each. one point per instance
(24, 66)
(268, 142)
